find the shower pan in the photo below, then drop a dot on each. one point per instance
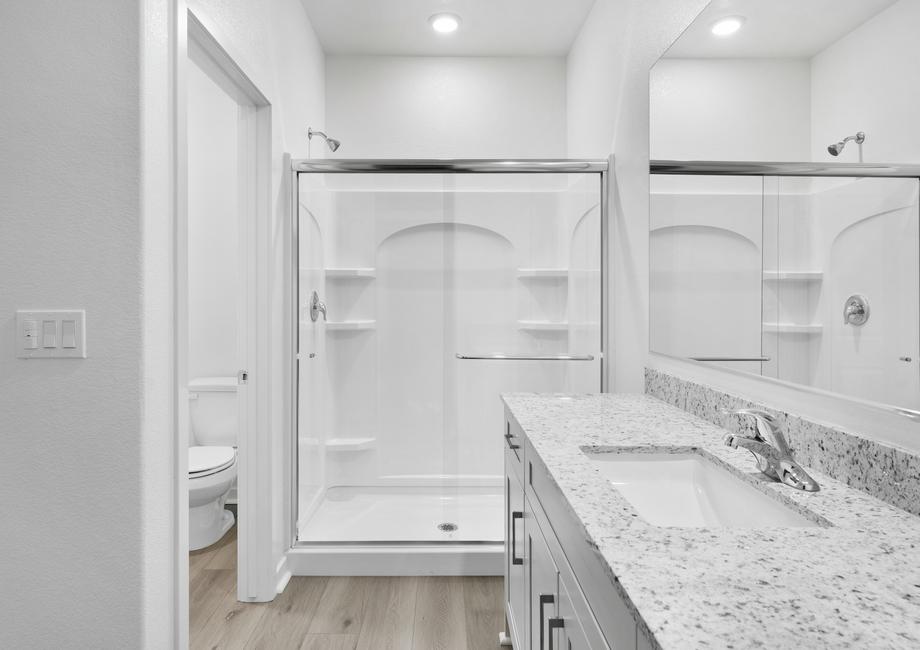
(424, 290)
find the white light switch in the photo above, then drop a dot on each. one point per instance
(68, 333)
(51, 334)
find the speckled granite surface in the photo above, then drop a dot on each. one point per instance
(885, 472)
(854, 584)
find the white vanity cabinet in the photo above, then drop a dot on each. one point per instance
(551, 572)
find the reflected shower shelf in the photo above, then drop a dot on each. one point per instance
(350, 444)
(354, 272)
(793, 276)
(791, 328)
(351, 325)
(543, 273)
(543, 325)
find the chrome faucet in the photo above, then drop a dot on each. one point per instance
(774, 459)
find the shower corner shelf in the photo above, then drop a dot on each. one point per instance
(538, 273)
(350, 325)
(792, 328)
(350, 444)
(793, 276)
(351, 272)
(543, 326)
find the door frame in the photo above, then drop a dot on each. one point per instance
(257, 576)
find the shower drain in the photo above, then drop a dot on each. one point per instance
(448, 527)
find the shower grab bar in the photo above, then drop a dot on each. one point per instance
(729, 358)
(503, 356)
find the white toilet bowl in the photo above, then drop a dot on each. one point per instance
(212, 471)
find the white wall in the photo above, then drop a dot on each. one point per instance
(71, 552)
(730, 109)
(86, 119)
(446, 107)
(608, 96)
(870, 81)
(275, 45)
(213, 241)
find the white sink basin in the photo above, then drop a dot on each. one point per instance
(686, 489)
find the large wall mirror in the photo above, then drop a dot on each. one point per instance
(785, 222)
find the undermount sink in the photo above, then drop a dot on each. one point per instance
(689, 490)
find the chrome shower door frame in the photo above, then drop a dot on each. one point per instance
(600, 167)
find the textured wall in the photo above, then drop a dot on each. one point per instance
(70, 237)
(446, 107)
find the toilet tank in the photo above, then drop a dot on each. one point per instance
(213, 411)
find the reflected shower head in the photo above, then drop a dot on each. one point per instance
(836, 148)
(332, 143)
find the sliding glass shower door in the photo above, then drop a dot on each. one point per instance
(441, 291)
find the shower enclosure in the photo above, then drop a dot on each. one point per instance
(424, 290)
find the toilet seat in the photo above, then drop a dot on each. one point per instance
(207, 460)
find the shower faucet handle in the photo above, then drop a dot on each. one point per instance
(317, 307)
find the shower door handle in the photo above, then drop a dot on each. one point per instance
(514, 517)
(317, 307)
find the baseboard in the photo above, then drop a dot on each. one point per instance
(460, 560)
(282, 574)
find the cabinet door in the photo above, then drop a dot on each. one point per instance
(544, 586)
(515, 554)
(566, 628)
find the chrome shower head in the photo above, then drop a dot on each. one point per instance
(835, 149)
(332, 143)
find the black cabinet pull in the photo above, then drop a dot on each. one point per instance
(545, 599)
(514, 517)
(554, 624)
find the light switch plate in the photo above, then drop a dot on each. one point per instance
(26, 329)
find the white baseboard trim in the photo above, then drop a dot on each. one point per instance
(472, 560)
(282, 574)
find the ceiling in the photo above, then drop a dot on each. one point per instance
(488, 28)
(775, 28)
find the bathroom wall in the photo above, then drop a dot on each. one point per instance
(276, 45)
(608, 112)
(446, 107)
(877, 60)
(213, 241)
(730, 109)
(86, 117)
(70, 237)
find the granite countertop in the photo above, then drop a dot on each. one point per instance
(855, 583)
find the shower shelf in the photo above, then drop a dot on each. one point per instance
(351, 325)
(543, 325)
(349, 273)
(542, 274)
(791, 328)
(793, 276)
(350, 444)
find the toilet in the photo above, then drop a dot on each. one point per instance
(211, 458)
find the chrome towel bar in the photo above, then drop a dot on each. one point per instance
(730, 358)
(502, 356)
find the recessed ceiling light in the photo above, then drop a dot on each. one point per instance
(444, 23)
(727, 26)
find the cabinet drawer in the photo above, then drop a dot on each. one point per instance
(593, 585)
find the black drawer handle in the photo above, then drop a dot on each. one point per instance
(554, 624)
(514, 517)
(545, 599)
(511, 445)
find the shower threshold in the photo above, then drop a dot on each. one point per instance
(416, 514)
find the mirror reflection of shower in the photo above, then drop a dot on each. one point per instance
(332, 143)
(837, 147)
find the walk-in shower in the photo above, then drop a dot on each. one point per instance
(445, 283)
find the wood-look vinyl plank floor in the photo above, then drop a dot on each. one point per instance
(341, 613)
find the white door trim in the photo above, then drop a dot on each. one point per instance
(257, 571)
